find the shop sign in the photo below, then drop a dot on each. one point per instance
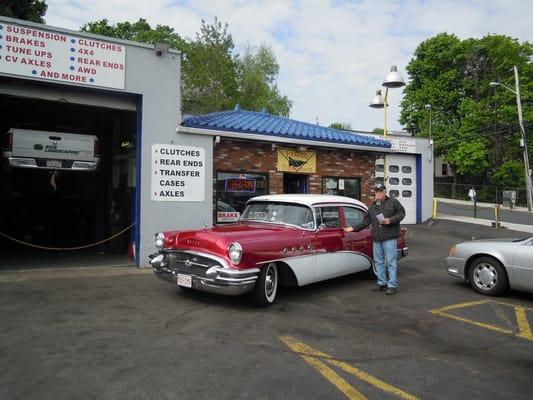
(38, 53)
(178, 173)
(401, 144)
(241, 185)
(228, 216)
(290, 160)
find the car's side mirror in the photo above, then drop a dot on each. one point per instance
(321, 226)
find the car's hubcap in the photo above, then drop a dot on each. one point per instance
(271, 282)
(485, 276)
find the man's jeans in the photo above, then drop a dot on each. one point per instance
(385, 255)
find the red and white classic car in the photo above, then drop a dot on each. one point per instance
(279, 239)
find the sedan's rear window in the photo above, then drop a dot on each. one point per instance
(284, 213)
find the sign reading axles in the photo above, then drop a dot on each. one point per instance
(178, 173)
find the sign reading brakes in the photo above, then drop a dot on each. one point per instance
(178, 173)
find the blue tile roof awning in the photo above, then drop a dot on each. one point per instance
(263, 124)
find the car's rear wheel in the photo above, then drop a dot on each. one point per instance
(487, 276)
(266, 286)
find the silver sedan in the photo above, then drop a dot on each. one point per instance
(493, 266)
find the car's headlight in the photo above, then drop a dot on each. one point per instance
(159, 240)
(451, 251)
(235, 252)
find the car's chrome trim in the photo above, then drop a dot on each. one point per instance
(219, 260)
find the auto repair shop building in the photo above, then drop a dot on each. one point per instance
(153, 176)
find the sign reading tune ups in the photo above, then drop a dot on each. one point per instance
(38, 53)
(178, 173)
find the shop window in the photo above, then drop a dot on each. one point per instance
(394, 168)
(407, 181)
(407, 169)
(349, 187)
(394, 181)
(394, 193)
(407, 193)
(233, 190)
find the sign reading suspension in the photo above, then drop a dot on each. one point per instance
(178, 173)
(44, 54)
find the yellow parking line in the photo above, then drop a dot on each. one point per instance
(300, 348)
(308, 352)
(524, 330)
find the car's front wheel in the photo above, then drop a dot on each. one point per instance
(487, 276)
(266, 286)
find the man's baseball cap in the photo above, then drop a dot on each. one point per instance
(379, 187)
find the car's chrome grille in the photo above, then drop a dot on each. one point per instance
(191, 263)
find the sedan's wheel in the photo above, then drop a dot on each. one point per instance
(266, 286)
(487, 276)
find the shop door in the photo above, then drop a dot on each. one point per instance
(401, 182)
(294, 183)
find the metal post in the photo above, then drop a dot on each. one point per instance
(385, 137)
(524, 141)
(475, 206)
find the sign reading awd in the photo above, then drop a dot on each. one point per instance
(296, 161)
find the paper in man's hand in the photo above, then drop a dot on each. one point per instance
(380, 218)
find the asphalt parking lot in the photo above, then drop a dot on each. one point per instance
(112, 333)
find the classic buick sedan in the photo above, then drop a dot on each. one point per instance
(279, 239)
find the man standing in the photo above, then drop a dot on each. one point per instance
(384, 216)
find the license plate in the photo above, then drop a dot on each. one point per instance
(184, 280)
(53, 163)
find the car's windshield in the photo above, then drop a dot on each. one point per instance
(284, 213)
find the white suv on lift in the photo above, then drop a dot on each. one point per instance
(25, 148)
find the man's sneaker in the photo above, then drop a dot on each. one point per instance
(390, 291)
(379, 288)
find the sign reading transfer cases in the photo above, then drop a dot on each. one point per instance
(178, 173)
(37, 53)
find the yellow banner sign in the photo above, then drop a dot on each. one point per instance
(290, 160)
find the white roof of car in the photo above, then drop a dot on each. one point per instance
(309, 199)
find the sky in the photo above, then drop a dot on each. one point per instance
(333, 54)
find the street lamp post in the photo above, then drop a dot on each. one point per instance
(393, 80)
(523, 141)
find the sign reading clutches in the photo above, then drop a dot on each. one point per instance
(296, 161)
(178, 173)
(38, 53)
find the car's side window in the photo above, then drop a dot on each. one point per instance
(352, 216)
(329, 216)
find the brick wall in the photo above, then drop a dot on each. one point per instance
(249, 156)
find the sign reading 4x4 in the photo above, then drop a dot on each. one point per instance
(44, 54)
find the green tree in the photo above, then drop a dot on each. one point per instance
(139, 31)
(29, 10)
(257, 75)
(209, 71)
(341, 126)
(470, 120)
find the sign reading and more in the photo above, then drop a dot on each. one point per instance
(296, 161)
(37, 53)
(239, 185)
(178, 173)
(401, 144)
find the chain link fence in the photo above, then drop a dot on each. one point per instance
(485, 194)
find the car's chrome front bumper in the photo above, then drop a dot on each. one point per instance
(214, 279)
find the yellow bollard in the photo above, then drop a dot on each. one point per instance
(434, 208)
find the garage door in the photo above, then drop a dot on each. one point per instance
(401, 182)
